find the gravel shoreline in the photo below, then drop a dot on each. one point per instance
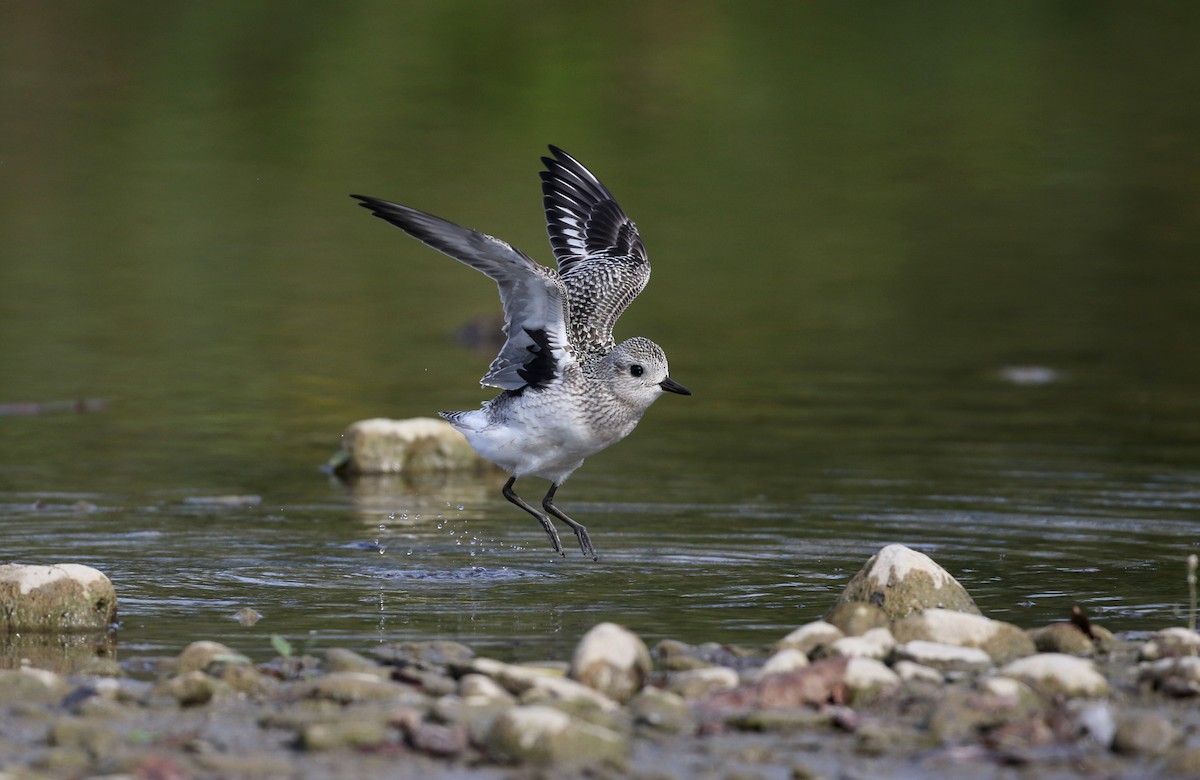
(893, 685)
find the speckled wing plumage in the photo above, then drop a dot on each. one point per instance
(600, 255)
(537, 346)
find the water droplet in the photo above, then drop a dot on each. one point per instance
(392, 516)
(382, 550)
(382, 527)
(404, 515)
(461, 507)
(408, 553)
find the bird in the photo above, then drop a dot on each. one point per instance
(568, 389)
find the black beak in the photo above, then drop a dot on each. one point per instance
(671, 386)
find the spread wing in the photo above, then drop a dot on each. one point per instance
(600, 255)
(537, 347)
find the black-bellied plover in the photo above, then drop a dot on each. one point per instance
(569, 389)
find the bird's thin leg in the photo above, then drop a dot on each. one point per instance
(512, 496)
(585, 542)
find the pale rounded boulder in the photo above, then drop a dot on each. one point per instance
(1054, 674)
(63, 597)
(419, 445)
(901, 581)
(613, 660)
(1002, 641)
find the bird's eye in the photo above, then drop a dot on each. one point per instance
(635, 370)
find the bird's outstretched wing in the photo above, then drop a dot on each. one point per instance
(600, 255)
(537, 345)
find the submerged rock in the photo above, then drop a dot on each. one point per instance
(901, 581)
(63, 597)
(419, 445)
(613, 660)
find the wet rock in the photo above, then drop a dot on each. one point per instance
(199, 656)
(1174, 676)
(247, 616)
(1053, 674)
(96, 737)
(901, 581)
(662, 711)
(543, 735)
(475, 715)
(810, 637)
(785, 660)
(821, 682)
(1185, 762)
(867, 678)
(1171, 643)
(612, 660)
(1144, 733)
(522, 681)
(339, 659)
(32, 686)
(1009, 688)
(356, 733)
(875, 643)
(698, 683)
(776, 720)
(676, 656)
(192, 689)
(438, 739)
(1002, 641)
(944, 658)
(420, 445)
(348, 687)
(855, 618)
(1062, 638)
(434, 655)
(65, 597)
(478, 687)
(1096, 722)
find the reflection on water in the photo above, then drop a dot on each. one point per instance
(931, 275)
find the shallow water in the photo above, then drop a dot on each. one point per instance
(933, 280)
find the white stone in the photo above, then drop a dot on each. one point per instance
(910, 671)
(864, 675)
(1006, 687)
(30, 577)
(783, 661)
(519, 680)
(1171, 641)
(958, 628)
(1058, 673)
(875, 643)
(811, 635)
(478, 688)
(613, 660)
(895, 562)
(695, 683)
(943, 656)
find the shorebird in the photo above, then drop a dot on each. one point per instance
(569, 390)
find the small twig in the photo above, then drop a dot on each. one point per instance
(1191, 581)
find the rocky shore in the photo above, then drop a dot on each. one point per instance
(902, 678)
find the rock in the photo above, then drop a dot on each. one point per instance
(30, 686)
(1174, 676)
(1185, 762)
(875, 643)
(902, 581)
(698, 683)
(351, 733)
(1062, 638)
(810, 637)
(675, 656)
(525, 681)
(612, 660)
(435, 655)
(1171, 643)
(543, 735)
(478, 687)
(1054, 674)
(64, 597)
(438, 739)
(866, 678)
(855, 618)
(348, 687)
(1009, 688)
(820, 682)
(200, 655)
(786, 660)
(1144, 733)
(944, 658)
(192, 689)
(420, 445)
(1002, 641)
(1096, 721)
(910, 671)
(662, 711)
(339, 659)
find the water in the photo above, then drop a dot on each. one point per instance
(932, 277)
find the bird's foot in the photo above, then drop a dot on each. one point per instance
(585, 543)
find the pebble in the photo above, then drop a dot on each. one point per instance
(698, 683)
(1003, 642)
(1145, 733)
(874, 643)
(942, 657)
(785, 660)
(1172, 642)
(538, 734)
(810, 637)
